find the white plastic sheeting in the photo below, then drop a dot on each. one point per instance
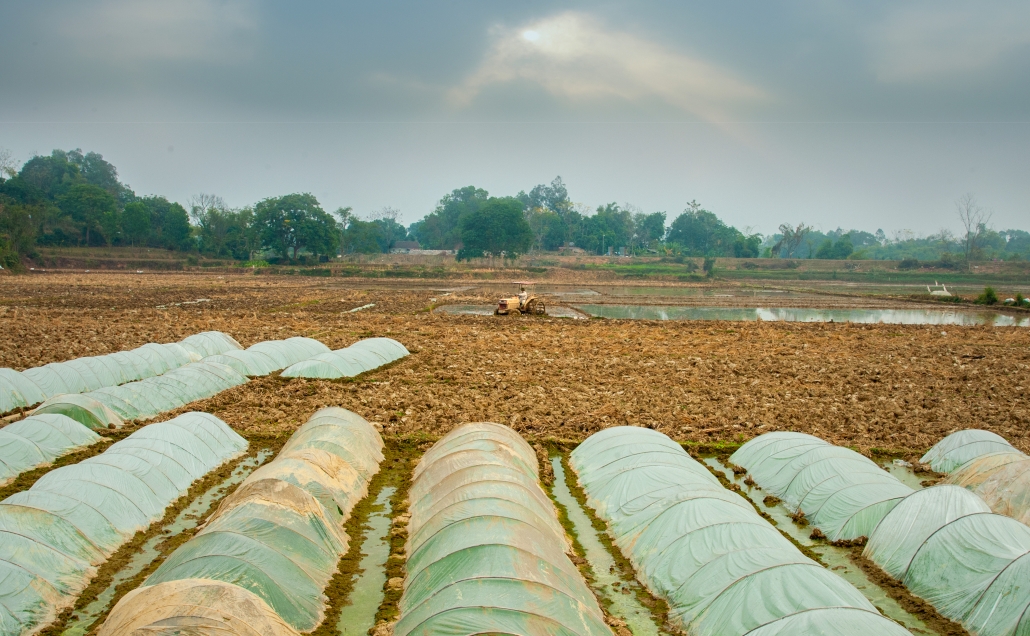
(723, 569)
(147, 398)
(32, 386)
(958, 448)
(356, 359)
(486, 554)
(38, 440)
(277, 538)
(55, 534)
(270, 356)
(841, 492)
(946, 546)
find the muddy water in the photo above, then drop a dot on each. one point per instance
(836, 559)
(186, 520)
(358, 616)
(607, 583)
(794, 314)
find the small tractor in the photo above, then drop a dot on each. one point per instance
(522, 303)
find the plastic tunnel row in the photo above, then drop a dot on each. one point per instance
(841, 492)
(486, 554)
(989, 466)
(946, 546)
(346, 363)
(943, 543)
(54, 535)
(722, 568)
(261, 563)
(38, 440)
(32, 386)
(150, 397)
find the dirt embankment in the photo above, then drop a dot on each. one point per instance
(875, 386)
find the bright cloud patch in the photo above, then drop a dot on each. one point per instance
(574, 57)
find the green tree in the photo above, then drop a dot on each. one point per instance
(175, 228)
(136, 223)
(441, 229)
(362, 237)
(699, 232)
(93, 209)
(497, 227)
(17, 233)
(290, 224)
(648, 229)
(836, 250)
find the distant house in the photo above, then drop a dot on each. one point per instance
(405, 247)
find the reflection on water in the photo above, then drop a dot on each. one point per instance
(795, 314)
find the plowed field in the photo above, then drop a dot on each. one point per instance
(872, 386)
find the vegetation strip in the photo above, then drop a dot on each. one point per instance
(625, 613)
(358, 528)
(409, 450)
(658, 607)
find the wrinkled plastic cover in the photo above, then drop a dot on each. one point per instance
(723, 569)
(84, 409)
(80, 375)
(55, 534)
(194, 606)
(486, 553)
(356, 359)
(841, 492)
(905, 529)
(1001, 479)
(279, 536)
(38, 440)
(958, 448)
(974, 570)
(146, 398)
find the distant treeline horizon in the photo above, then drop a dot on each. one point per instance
(71, 198)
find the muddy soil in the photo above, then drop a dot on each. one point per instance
(867, 386)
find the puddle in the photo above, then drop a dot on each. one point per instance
(358, 616)
(794, 314)
(466, 310)
(186, 520)
(904, 473)
(836, 559)
(606, 582)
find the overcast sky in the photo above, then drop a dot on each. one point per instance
(862, 114)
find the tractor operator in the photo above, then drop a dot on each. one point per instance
(523, 295)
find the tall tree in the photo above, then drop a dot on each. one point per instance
(974, 219)
(136, 223)
(792, 238)
(441, 229)
(93, 209)
(497, 227)
(699, 232)
(295, 222)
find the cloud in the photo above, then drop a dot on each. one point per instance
(574, 57)
(935, 41)
(125, 32)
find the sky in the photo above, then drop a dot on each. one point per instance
(866, 114)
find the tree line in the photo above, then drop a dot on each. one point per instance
(71, 198)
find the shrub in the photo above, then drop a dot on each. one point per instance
(989, 297)
(908, 263)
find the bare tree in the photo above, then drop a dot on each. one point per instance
(199, 204)
(384, 213)
(974, 220)
(8, 164)
(792, 238)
